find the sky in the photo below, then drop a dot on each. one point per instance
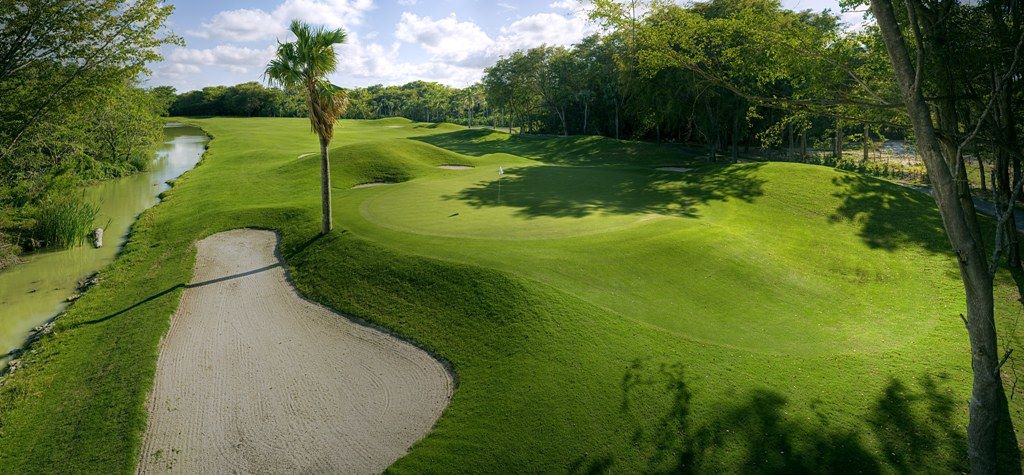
(389, 42)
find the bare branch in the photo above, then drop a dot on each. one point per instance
(912, 14)
(997, 88)
(1002, 362)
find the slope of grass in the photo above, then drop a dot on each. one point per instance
(601, 315)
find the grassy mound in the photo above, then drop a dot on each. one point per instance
(778, 316)
(388, 121)
(390, 161)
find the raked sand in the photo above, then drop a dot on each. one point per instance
(253, 378)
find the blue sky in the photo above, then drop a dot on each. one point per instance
(390, 42)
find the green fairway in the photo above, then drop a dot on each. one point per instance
(600, 314)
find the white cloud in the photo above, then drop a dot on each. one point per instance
(235, 59)
(446, 49)
(549, 29)
(239, 25)
(256, 24)
(565, 4)
(447, 39)
(459, 50)
(373, 63)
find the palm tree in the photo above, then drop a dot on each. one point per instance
(305, 63)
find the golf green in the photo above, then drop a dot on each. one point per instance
(601, 315)
(715, 253)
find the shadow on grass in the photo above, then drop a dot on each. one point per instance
(558, 191)
(287, 255)
(890, 216)
(911, 428)
(573, 150)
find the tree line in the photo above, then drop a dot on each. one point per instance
(72, 109)
(732, 73)
(423, 101)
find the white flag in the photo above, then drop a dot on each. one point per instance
(501, 171)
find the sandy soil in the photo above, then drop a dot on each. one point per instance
(455, 167)
(253, 378)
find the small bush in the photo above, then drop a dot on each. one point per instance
(64, 220)
(8, 252)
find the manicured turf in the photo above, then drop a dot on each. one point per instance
(602, 315)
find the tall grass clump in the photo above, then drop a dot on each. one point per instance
(64, 221)
(8, 252)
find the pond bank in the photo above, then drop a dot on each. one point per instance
(37, 289)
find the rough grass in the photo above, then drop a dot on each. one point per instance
(601, 316)
(64, 220)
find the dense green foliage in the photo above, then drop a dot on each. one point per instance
(603, 315)
(243, 100)
(71, 111)
(418, 100)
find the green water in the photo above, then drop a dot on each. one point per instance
(34, 291)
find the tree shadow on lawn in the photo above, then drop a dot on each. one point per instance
(573, 150)
(911, 428)
(557, 191)
(292, 251)
(891, 216)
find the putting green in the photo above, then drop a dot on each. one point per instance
(726, 255)
(477, 204)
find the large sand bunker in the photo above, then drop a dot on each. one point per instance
(253, 378)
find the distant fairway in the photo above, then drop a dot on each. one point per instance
(602, 315)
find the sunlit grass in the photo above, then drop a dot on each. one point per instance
(601, 315)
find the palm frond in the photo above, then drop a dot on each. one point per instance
(307, 61)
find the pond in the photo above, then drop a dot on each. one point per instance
(37, 289)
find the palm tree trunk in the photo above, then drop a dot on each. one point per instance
(325, 186)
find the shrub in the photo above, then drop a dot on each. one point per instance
(64, 220)
(8, 252)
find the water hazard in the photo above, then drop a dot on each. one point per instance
(34, 291)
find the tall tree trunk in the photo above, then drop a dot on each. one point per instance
(803, 144)
(866, 145)
(837, 141)
(616, 120)
(325, 186)
(986, 409)
(565, 127)
(1007, 124)
(586, 108)
(735, 152)
(981, 174)
(1013, 256)
(790, 145)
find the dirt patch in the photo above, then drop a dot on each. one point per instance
(455, 167)
(675, 169)
(253, 378)
(371, 184)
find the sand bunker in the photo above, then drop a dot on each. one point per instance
(253, 378)
(675, 169)
(371, 184)
(455, 167)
